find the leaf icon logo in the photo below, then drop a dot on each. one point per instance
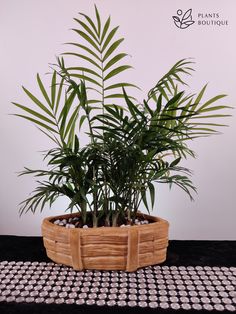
(183, 20)
(187, 15)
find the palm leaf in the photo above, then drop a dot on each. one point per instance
(118, 85)
(87, 39)
(91, 52)
(88, 29)
(90, 22)
(81, 56)
(45, 126)
(117, 71)
(105, 29)
(84, 69)
(98, 22)
(72, 121)
(58, 98)
(112, 48)
(43, 91)
(53, 89)
(109, 38)
(167, 82)
(210, 101)
(37, 102)
(86, 78)
(34, 113)
(114, 60)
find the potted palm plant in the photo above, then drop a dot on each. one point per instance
(130, 146)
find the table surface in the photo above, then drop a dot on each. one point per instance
(180, 253)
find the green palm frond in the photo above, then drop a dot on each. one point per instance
(167, 84)
(178, 115)
(56, 114)
(98, 51)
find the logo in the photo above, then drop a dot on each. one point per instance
(183, 20)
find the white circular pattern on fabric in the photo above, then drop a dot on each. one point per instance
(166, 287)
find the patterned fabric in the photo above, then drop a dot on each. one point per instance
(166, 287)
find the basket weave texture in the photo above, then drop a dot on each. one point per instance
(106, 248)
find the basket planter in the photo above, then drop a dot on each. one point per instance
(106, 248)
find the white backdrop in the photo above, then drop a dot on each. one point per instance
(32, 33)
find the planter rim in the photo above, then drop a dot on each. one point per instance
(156, 221)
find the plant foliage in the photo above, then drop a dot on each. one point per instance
(131, 145)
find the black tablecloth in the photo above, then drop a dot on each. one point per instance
(180, 253)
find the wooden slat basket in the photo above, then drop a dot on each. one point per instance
(106, 248)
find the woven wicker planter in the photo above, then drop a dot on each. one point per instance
(106, 248)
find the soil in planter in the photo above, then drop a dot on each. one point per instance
(76, 221)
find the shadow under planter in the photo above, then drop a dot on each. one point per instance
(107, 248)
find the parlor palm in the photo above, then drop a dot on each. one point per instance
(131, 145)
